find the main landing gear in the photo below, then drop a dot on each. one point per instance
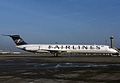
(55, 54)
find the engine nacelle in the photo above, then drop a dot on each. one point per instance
(31, 48)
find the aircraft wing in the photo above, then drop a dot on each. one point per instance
(54, 51)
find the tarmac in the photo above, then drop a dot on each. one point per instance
(74, 58)
(44, 68)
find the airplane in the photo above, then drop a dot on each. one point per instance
(56, 49)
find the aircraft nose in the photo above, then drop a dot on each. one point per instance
(114, 51)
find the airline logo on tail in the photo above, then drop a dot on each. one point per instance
(18, 41)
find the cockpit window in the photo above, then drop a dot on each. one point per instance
(109, 47)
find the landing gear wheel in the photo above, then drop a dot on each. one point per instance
(55, 54)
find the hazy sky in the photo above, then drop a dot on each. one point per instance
(62, 21)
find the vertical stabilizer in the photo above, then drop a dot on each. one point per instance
(17, 39)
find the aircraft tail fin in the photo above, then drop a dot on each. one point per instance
(17, 39)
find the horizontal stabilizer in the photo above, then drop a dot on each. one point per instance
(17, 39)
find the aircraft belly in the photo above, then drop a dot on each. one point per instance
(42, 51)
(89, 51)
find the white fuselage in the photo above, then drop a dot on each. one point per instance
(67, 48)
